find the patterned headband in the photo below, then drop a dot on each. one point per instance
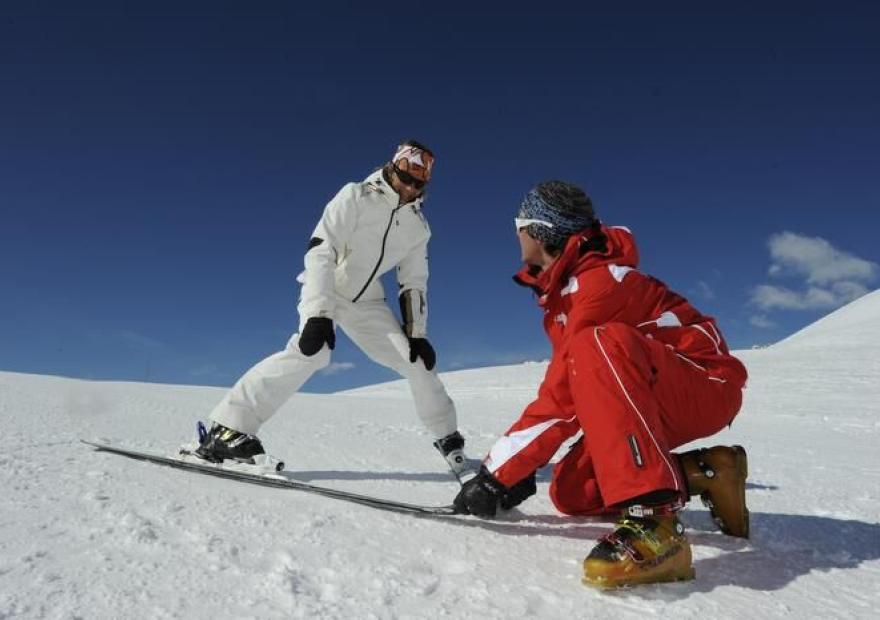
(552, 225)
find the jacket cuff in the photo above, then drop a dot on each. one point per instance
(414, 313)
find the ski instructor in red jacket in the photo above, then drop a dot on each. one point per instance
(638, 371)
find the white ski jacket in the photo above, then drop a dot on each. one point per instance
(362, 234)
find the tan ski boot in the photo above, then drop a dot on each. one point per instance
(641, 550)
(718, 475)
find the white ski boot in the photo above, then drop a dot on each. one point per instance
(452, 449)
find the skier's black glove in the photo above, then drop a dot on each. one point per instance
(421, 348)
(480, 495)
(519, 492)
(317, 332)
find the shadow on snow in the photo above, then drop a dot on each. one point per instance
(782, 548)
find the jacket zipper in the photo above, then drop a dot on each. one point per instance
(381, 253)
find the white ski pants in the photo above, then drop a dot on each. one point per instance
(371, 325)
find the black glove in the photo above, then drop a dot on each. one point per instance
(519, 492)
(317, 332)
(421, 348)
(483, 494)
(480, 495)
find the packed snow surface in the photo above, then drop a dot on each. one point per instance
(93, 535)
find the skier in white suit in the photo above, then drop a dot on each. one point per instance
(367, 229)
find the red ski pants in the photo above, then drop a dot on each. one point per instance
(636, 400)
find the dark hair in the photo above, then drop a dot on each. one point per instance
(568, 199)
(418, 145)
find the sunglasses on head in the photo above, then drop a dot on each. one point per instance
(522, 222)
(407, 179)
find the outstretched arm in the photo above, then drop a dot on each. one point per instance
(535, 437)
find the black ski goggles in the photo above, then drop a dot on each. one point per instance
(407, 179)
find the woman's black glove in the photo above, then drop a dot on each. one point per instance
(421, 348)
(317, 332)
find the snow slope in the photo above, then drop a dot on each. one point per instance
(91, 535)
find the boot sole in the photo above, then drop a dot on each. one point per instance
(608, 584)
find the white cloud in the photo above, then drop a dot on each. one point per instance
(850, 290)
(703, 290)
(832, 277)
(768, 297)
(817, 260)
(759, 320)
(336, 367)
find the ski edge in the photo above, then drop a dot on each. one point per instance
(274, 480)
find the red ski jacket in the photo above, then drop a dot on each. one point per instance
(595, 281)
(615, 292)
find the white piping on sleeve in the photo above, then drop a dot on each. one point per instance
(693, 363)
(690, 361)
(709, 336)
(715, 331)
(667, 319)
(510, 445)
(636, 409)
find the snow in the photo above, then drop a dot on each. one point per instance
(92, 535)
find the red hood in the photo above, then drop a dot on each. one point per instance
(585, 250)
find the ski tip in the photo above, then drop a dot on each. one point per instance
(95, 443)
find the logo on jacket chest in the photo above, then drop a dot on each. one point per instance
(573, 286)
(553, 317)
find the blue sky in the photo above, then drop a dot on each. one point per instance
(162, 167)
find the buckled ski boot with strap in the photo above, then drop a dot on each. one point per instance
(718, 475)
(641, 550)
(222, 443)
(452, 449)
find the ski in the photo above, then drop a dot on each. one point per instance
(281, 480)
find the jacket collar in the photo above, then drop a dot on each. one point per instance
(542, 281)
(377, 182)
(584, 250)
